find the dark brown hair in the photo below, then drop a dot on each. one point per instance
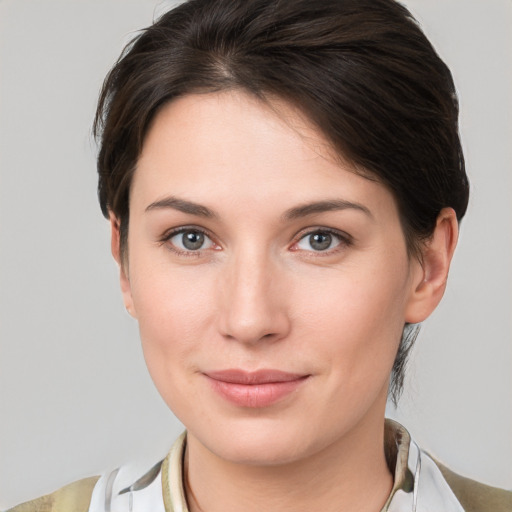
(361, 70)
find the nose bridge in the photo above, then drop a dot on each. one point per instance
(253, 306)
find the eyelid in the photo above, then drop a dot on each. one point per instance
(170, 233)
(344, 238)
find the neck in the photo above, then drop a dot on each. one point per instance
(350, 474)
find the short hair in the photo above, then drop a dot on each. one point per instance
(362, 71)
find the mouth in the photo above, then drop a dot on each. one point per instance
(261, 388)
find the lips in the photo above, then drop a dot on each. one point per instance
(261, 388)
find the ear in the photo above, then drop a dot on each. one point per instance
(431, 273)
(115, 243)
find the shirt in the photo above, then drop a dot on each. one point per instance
(420, 485)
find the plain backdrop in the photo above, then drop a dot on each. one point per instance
(75, 397)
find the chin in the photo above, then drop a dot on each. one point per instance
(259, 443)
(265, 453)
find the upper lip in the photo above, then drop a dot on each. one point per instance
(265, 376)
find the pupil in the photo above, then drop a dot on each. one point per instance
(193, 240)
(320, 241)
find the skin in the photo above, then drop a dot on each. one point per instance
(260, 295)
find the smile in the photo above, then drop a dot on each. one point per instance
(254, 389)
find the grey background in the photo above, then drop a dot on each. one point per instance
(75, 397)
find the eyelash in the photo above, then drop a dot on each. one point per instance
(344, 240)
(166, 238)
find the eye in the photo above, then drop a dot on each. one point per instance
(190, 240)
(320, 241)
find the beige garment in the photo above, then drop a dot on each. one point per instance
(74, 497)
(475, 496)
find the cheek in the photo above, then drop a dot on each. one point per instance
(357, 318)
(175, 308)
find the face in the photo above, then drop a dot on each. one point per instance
(271, 283)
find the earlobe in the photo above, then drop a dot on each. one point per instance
(430, 275)
(124, 280)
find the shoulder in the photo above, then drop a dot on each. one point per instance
(422, 483)
(128, 488)
(74, 497)
(475, 496)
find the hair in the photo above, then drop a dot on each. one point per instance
(362, 71)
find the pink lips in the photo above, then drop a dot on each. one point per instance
(254, 389)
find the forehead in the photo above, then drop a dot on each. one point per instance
(232, 147)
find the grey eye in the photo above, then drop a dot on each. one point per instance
(318, 241)
(191, 240)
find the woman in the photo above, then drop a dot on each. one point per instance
(284, 182)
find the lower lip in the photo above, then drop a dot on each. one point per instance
(255, 395)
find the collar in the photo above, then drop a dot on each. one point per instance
(418, 485)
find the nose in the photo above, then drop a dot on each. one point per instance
(253, 300)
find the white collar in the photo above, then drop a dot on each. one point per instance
(418, 485)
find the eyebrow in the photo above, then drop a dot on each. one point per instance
(324, 206)
(293, 213)
(183, 206)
